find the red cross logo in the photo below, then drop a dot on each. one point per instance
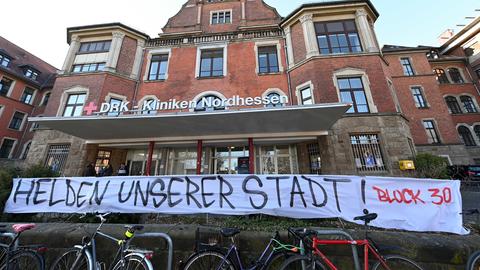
(90, 108)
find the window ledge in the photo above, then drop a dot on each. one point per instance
(463, 114)
(154, 81)
(80, 53)
(269, 73)
(423, 108)
(213, 77)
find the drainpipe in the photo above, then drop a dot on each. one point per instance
(289, 81)
(137, 84)
(199, 156)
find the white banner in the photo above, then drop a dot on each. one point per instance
(408, 204)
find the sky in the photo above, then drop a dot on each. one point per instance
(39, 26)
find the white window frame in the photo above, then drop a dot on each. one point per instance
(465, 81)
(10, 155)
(422, 91)
(2, 108)
(24, 120)
(197, 98)
(12, 86)
(25, 148)
(150, 54)
(355, 72)
(437, 130)
(414, 69)
(223, 46)
(44, 96)
(461, 103)
(221, 11)
(142, 100)
(72, 91)
(303, 86)
(275, 43)
(33, 96)
(277, 91)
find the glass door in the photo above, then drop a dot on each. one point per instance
(226, 159)
(277, 159)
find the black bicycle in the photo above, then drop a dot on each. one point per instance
(218, 258)
(474, 259)
(17, 257)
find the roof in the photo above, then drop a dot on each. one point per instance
(331, 3)
(20, 59)
(103, 25)
(397, 48)
(462, 36)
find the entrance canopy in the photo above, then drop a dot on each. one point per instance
(312, 120)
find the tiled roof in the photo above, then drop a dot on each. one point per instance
(21, 59)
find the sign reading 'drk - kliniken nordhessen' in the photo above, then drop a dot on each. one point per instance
(409, 204)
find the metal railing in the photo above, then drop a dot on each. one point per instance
(169, 241)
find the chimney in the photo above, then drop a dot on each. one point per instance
(445, 36)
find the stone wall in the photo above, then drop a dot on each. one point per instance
(457, 152)
(393, 131)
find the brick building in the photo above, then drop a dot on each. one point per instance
(25, 85)
(231, 87)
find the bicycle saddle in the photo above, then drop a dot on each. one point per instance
(229, 232)
(19, 228)
(367, 218)
(134, 228)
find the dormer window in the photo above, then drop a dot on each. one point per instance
(95, 47)
(221, 17)
(31, 73)
(4, 60)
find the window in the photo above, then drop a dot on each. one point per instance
(468, 104)
(367, 153)
(5, 85)
(6, 148)
(314, 158)
(115, 106)
(26, 150)
(274, 103)
(420, 101)
(477, 131)
(432, 133)
(4, 60)
(17, 121)
(158, 67)
(441, 76)
(57, 156)
(211, 63)
(209, 103)
(74, 106)
(81, 68)
(306, 97)
(183, 161)
(338, 37)
(466, 136)
(352, 91)
(453, 106)
(30, 73)
(27, 96)
(478, 73)
(103, 159)
(455, 75)
(149, 104)
(276, 159)
(407, 67)
(221, 17)
(225, 159)
(95, 47)
(45, 99)
(268, 60)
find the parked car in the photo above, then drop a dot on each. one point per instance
(464, 172)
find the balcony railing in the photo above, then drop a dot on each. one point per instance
(209, 38)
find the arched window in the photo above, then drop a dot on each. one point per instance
(25, 151)
(441, 75)
(468, 104)
(466, 136)
(452, 104)
(45, 99)
(276, 96)
(477, 131)
(455, 75)
(209, 103)
(149, 106)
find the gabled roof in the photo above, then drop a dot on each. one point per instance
(21, 59)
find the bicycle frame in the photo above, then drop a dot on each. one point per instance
(367, 249)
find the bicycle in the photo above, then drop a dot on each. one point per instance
(474, 259)
(315, 259)
(16, 257)
(216, 258)
(84, 257)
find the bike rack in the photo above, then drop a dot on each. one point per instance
(348, 237)
(11, 236)
(169, 241)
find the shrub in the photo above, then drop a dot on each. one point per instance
(431, 166)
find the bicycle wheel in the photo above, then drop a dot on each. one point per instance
(208, 260)
(397, 263)
(134, 262)
(474, 261)
(303, 263)
(71, 257)
(23, 260)
(3, 255)
(276, 261)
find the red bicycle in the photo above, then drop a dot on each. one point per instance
(315, 259)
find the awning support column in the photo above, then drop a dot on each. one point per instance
(151, 146)
(199, 156)
(251, 156)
